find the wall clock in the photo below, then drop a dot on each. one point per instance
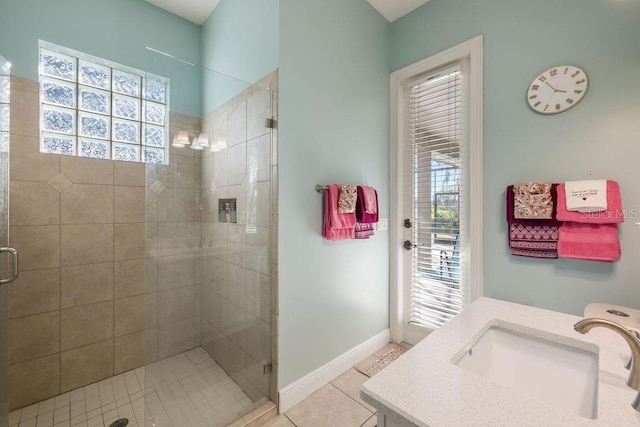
(557, 89)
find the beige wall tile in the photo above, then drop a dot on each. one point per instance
(129, 204)
(175, 305)
(129, 352)
(82, 170)
(35, 292)
(87, 204)
(86, 324)
(129, 241)
(128, 173)
(258, 110)
(33, 203)
(259, 295)
(34, 336)
(128, 314)
(175, 271)
(259, 339)
(175, 338)
(238, 124)
(259, 158)
(28, 164)
(128, 278)
(86, 284)
(85, 365)
(258, 250)
(22, 84)
(34, 381)
(87, 244)
(25, 112)
(236, 164)
(39, 246)
(151, 345)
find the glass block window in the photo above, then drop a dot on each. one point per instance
(90, 107)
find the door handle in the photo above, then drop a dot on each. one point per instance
(14, 265)
(408, 245)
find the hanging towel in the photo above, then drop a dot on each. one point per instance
(553, 221)
(533, 200)
(533, 238)
(370, 200)
(593, 242)
(361, 211)
(347, 198)
(364, 231)
(586, 196)
(612, 215)
(534, 254)
(336, 226)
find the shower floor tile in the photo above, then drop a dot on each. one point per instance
(186, 390)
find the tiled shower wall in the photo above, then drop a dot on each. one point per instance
(77, 311)
(239, 266)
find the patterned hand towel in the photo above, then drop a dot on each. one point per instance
(347, 198)
(364, 231)
(533, 201)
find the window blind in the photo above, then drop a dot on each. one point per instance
(434, 113)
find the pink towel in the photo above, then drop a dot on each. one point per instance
(594, 242)
(612, 215)
(336, 226)
(364, 231)
(361, 210)
(370, 200)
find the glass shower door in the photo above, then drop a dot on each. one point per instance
(4, 236)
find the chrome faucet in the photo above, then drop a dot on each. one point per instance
(585, 325)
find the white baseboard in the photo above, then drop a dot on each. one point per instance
(299, 390)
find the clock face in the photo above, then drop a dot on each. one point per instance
(557, 89)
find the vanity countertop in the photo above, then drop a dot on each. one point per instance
(425, 387)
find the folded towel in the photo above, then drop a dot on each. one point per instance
(370, 200)
(594, 242)
(533, 238)
(534, 254)
(361, 211)
(613, 214)
(586, 196)
(347, 198)
(364, 231)
(553, 221)
(533, 201)
(336, 226)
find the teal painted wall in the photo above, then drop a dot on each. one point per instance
(240, 42)
(599, 138)
(117, 30)
(334, 127)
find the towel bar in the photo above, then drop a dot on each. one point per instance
(320, 188)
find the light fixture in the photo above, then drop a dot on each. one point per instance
(203, 140)
(181, 139)
(196, 144)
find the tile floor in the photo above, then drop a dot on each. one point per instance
(337, 404)
(185, 390)
(180, 391)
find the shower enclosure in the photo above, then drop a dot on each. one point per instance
(145, 290)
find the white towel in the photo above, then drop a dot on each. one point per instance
(586, 196)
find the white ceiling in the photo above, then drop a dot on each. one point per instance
(394, 9)
(197, 11)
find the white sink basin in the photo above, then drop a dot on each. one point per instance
(561, 375)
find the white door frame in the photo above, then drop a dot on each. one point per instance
(472, 50)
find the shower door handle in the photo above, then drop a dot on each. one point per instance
(14, 265)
